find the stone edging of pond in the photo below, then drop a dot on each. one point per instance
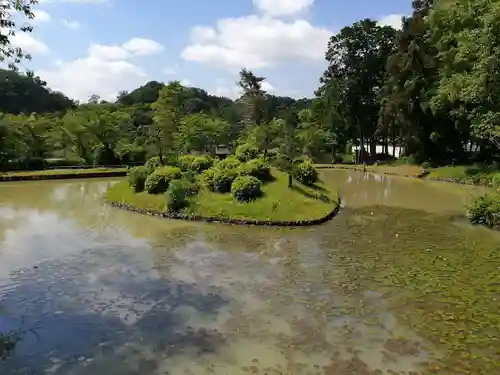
(249, 222)
(62, 176)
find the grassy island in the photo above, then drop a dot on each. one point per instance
(241, 188)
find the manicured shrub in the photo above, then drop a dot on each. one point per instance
(178, 193)
(219, 180)
(259, 168)
(485, 210)
(63, 162)
(137, 178)
(306, 173)
(495, 180)
(246, 152)
(228, 163)
(185, 162)
(246, 188)
(158, 181)
(201, 163)
(153, 163)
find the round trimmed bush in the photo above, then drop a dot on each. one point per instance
(228, 163)
(258, 168)
(306, 173)
(153, 163)
(246, 188)
(485, 210)
(177, 194)
(201, 163)
(158, 181)
(185, 162)
(246, 152)
(219, 180)
(137, 178)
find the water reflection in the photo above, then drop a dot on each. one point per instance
(118, 293)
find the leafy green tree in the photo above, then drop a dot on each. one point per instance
(289, 147)
(166, 120)
(201, 133)
(10, 54)
(253, 96)
(357, 57)
(466, 37)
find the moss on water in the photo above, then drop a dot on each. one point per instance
(441, 277)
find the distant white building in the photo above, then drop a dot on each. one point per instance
(397, 151)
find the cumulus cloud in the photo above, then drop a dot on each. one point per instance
(41, 16)
(105, 71)
(29, 44)
(393, 20)
(256, 42)
(278, 8)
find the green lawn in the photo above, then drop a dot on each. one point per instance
(278, 203)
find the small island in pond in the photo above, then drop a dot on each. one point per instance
(241, 188)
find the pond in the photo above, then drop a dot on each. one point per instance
(398, 283)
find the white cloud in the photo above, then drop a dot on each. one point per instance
(393, 20)
(105, 71)
(102, 52)
(73, 25)
(282, 7)
(202, 34)
(81, 78)
(41, 16)
(142, 46)
(258, 42)
(29, 44)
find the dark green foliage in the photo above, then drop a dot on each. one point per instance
(485, 210)
(195, 164)
(137, 178)
(28, 164)
(219, 180)
(178, 193)
(246, 188)
(228, 163)
(158, 181)
(306, 173)
(153, 163)
(259, 168)
(22, 93)
(246, 152)
(60, 162)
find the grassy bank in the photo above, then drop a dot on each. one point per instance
(398, 170)
(278, 202)
(54, 174)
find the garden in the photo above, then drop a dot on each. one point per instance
(246, 186)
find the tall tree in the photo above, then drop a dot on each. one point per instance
(253, 96)
(357, 57)
(166, 120)
(467, 35)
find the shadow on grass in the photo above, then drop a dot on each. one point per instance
(317, 196)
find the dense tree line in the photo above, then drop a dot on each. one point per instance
(432, 87)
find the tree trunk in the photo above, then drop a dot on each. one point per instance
(290, 180)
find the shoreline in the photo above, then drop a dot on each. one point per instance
(224, 220)
(62, 176)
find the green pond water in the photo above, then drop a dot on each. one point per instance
(398, 283)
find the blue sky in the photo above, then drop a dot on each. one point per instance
(85, 47)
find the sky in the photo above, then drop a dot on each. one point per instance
(86, 47)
